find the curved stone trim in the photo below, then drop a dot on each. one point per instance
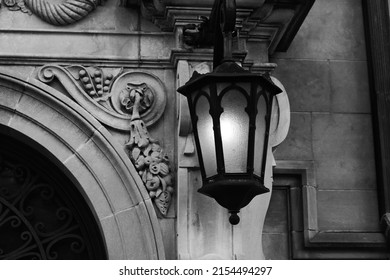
(281, 116)
(88, 155)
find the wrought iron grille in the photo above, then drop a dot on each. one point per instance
(42, 213)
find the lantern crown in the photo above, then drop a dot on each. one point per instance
(231, 71)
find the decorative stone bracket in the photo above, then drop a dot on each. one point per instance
(128, 101)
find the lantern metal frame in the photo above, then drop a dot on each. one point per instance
(231, 190)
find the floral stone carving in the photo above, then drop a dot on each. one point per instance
(67, 12)
(148, 157)
(128, 101)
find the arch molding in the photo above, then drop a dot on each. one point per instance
(87, 153)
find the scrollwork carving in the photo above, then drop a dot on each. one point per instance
(67, 12)
(103, 92)
(128, 101)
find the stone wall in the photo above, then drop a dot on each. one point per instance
(325, 74)
(110, 38)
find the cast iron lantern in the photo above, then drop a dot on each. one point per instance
(230, 111)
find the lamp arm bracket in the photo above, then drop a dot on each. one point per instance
(210, 31)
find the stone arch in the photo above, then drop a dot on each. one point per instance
(80, 146)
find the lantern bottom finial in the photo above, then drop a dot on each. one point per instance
(234, 219)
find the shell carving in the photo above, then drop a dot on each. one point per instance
(68, 12)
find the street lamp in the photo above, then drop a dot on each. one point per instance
(230, 111)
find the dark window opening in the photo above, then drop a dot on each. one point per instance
(42, 213)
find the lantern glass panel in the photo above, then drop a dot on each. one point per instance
(260, 135)
(206, 136)
(234, 123)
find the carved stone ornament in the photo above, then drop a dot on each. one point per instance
(148, 157)
(127, 101)
(64, 13)
(109, 94)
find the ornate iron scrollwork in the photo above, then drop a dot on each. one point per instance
(42, 216)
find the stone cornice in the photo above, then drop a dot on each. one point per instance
(272, 21)
(200, 55)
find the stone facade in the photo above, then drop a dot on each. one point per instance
(329, 147)
(325, 72)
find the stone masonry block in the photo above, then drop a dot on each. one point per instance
(297, 145)
(128, 219)
(65, 128)
(333, 29)
(93, 191)
(348, 210)
(350, 88)
(41, 136)
(113, 238)
(107, 176)
(306, 83)
(343, 151)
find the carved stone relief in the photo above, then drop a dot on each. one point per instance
(150, 161)
(64, 13)
(102, 92)
(128, 101)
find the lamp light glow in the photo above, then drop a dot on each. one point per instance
(226, 106)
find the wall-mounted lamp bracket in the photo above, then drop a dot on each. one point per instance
(217, 30)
